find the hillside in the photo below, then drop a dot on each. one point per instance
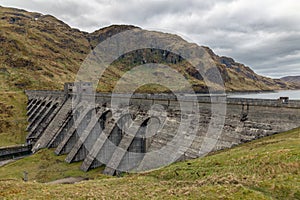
(41, 52)
(292, 79)
(268, 168)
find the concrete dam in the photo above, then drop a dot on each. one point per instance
(145, 131)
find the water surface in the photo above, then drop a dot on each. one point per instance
(292, 94)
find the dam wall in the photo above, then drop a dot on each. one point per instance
(135, 132)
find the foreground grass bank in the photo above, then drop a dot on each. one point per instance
(268, 168)
(13, 120)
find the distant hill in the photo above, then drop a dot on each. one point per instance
(292, 79)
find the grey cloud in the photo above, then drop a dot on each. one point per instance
(281, 71)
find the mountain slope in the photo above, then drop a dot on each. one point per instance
(292, 79)
(243, 78)
(39, 51)
(48, 52)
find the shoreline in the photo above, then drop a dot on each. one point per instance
(276, 94)
(240, 92)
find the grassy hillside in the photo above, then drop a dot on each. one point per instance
(13, 119)
(41, 52)
(45, 166)
(293, 80)
(268, 168)
(37, 52)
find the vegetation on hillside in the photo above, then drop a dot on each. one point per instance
(13, 119)
(293, 80)
(268, 168)
(41, 52)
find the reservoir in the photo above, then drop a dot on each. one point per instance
(292, 94)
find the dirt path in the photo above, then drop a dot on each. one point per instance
(5, 162)
(70, 180)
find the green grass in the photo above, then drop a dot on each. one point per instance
(45, 166)
(13, 119)
(268, 168)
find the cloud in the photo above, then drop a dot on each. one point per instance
(264, 34)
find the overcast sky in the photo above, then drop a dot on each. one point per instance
(263, 34)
